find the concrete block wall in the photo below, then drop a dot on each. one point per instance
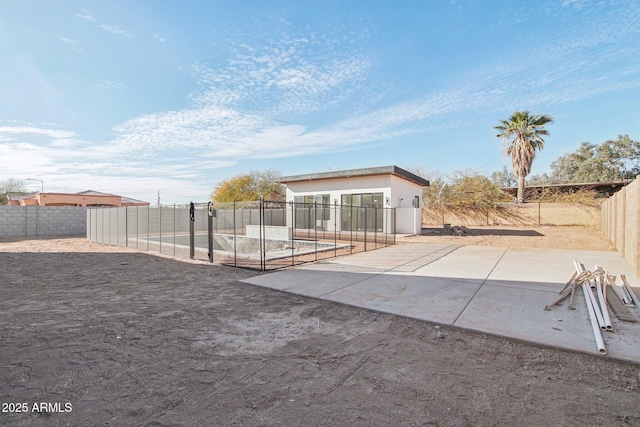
(37, 221)
(632, 226)
(621, 222)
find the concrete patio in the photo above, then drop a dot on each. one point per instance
(496, 290)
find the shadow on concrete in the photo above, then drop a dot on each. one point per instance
(503, 232)
(437, 231)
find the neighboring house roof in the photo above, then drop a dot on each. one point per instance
(20, 196)
(124, 199)
(380, 170)
(94, 193)
(132, 201)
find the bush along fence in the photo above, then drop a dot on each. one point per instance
(259, 235)
(512, 214)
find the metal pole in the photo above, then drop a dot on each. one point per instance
(335, 229)
(260, 237)
(117, 226)
(375, 228)
(210, 230)
(315, 228)
(148, 226)
(351, 227)
(394, 226)
(126, 226)
(160, 225)
(293, 230)
(365, 228)
(192, 218)
(235, 253)
(174, 229)
(538, 213)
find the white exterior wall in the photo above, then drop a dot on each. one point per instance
(408, 217)
(397, 193)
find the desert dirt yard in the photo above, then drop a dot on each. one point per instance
(98, 335)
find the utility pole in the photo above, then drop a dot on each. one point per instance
(158, 197)
(41, 181)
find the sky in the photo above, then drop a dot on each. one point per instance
(139, 97)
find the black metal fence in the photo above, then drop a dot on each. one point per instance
(260, 235)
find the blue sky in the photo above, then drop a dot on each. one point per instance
(136, 97)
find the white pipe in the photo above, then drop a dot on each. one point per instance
(620, 293)
(596, 309)
(603, 304)
(627, 299)
(594, 323)
(616, 289)
(631, 293)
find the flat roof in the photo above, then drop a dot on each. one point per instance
(380, 170)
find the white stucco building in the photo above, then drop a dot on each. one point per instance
(381, 188)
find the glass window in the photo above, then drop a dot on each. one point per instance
(377, 200)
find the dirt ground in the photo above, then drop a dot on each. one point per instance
(111, 336)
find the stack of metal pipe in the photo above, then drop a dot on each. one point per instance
(595, 285)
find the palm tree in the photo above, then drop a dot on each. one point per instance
(523, 134)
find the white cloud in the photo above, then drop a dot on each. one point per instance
(86, 16)
(159, 38)
(578, 4)
(68, 40)
(259, 106)
(115, 30)
(32, 130)
(293, 75)
(111, 85)
(70, 164)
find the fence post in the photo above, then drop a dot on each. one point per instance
(174, 229)
(351, 227)
(260, 234)
(539, 221)
(375, 228)
(109, 210)
(315, 228)
(126, 226)
(192, 219)
(365, 228)
(160, 225)
(335, 228)
(235, 252)
(394, 225)
(293, 231)
(210, 230)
